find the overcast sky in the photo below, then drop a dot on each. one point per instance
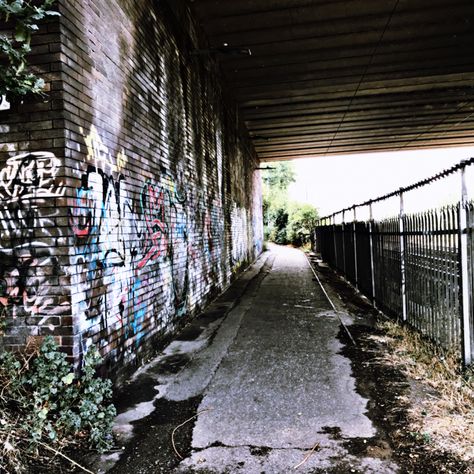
(335, 182)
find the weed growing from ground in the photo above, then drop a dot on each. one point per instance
(444, 419)
(46, 408)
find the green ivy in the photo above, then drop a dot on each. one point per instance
(44, 401)
(23, 17)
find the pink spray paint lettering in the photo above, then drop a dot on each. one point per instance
(153, 208)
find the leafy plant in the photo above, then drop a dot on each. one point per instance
(43, 402)
(302, 221)
(285, 221)
(23, 17)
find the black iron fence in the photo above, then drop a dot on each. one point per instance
(417, 268)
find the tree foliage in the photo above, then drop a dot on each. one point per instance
(285, 221)
(21, 18)
(279, 178)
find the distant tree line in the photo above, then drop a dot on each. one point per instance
(285, 221)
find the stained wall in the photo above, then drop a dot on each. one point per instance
(151, 197)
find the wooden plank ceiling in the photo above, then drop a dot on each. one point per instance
(350, 76)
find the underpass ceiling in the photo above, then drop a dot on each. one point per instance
(349, 76)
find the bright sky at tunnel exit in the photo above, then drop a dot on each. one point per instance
(332, 183)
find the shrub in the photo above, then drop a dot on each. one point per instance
(302, 221)
(291, 223)
(280, 237)
(43, 402)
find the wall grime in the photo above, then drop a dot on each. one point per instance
(150, 205)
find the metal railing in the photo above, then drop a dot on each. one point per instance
(417, 268)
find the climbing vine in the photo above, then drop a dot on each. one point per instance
(21, 19)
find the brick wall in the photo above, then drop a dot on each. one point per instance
(34, 254)
(152, 184)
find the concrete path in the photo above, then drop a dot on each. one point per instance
(282, 387)
(272, 381)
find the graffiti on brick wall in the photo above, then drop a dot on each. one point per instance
(165, 235)
(29, 270)
(99, 155)
(257, 212)
(179, 254)
(153, 206)
(145, 252)
(124, 250)
(239, 231)
(30, 175)
(97, 220)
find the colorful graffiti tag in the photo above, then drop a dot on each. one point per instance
(142, 253)
(99, 155)
(153, 206)
(130, 255)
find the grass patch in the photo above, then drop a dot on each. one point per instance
(443, 418)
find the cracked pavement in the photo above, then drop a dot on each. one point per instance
(264, 371)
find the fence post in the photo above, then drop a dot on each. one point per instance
(343, 236)
(334, 239)
(402, 257)
(371, 244)
(466, 329)
(314, 246)
(354, 220)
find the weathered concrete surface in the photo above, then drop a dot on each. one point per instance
(272, 381)
(282, 386)
(182, 371)
(277, 385)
